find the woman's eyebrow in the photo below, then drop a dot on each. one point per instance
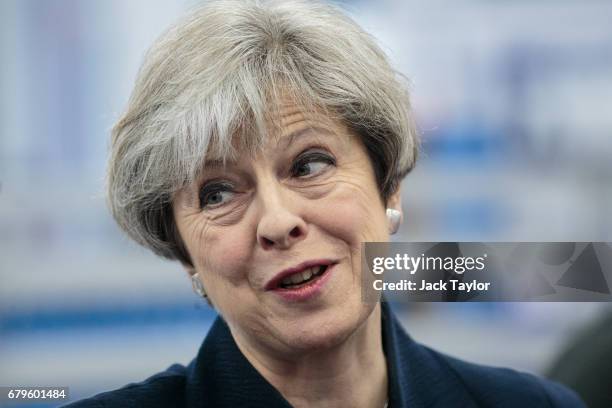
(218, 163)
(292, 137)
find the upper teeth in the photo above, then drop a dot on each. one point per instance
(303, 276)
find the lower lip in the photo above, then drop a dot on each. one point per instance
(308, 291)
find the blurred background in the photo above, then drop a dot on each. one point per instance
(514, 104)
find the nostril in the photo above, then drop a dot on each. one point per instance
(281, 239)
(295, 232)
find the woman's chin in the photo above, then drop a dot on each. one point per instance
(307, 342)
(324, 332)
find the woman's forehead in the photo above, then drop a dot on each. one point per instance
(287, 114)
(288, 124)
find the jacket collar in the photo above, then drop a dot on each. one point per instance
(221, 376)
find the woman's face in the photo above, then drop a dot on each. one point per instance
(276, 238)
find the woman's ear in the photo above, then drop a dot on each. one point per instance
(395, 200)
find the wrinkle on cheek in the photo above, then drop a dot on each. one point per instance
(351, 173)
(230, 216)
(365, 195)
(195, 234)
(206, 238)
(319, 190)
(355, 211)
(222, 255)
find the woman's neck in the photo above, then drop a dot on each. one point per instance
(351, 374)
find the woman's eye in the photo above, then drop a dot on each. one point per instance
(311, 165)
(215, 195)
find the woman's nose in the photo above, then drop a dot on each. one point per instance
(279, 227)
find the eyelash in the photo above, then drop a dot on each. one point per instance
(311, 157)
(308, 157)
(211, 188)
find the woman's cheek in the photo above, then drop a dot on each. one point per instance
(225, 253)
(352, 217)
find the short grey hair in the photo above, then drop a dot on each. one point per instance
(214, 77)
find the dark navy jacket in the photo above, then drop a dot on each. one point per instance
(220, 376)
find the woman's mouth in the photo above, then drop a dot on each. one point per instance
(302, 282)
(300, 279)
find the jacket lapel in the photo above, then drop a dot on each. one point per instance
(417, 378)
(221, 376)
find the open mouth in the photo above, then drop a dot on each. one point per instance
(303, 278)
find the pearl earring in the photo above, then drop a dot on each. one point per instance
(198, 287)
(394, 217)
